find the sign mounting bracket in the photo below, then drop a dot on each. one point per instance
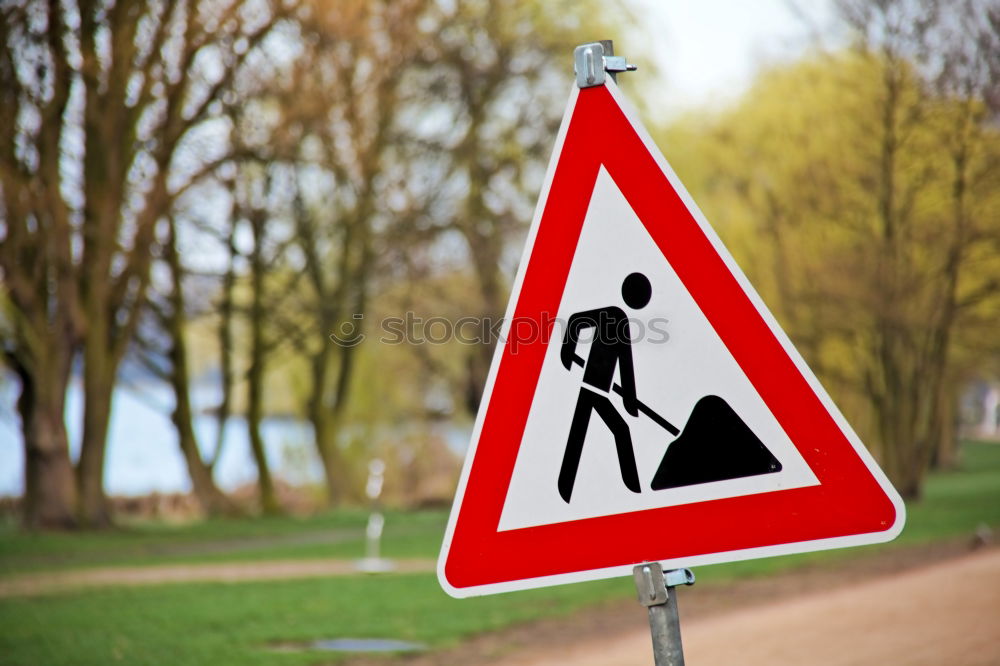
(592, 62)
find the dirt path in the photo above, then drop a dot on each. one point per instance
(946, 613)
(58, 581)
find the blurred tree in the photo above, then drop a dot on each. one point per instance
(260, 264)
(413, 124)
(250, 237)
(861, 189)
(963, 70)
(164, 351)
(103, 108)
(501, 70)
(936, 188)
(342, 135)
(226, 342)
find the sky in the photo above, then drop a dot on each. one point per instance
(708, 50)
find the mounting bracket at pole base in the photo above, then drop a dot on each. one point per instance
(655, 590)
(653, 584)
(593, 62)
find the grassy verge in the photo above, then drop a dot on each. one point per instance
(239, 623)
(242, 623)
(339, 534)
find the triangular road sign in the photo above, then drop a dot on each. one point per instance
(643, 403)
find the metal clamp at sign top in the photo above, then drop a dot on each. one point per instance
(591, 64)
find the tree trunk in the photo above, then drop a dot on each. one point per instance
(898, 393)
(946, 451)
(98, 387)
(255, 375)
(49, 488)
(477, 364)
(211, 499)
(485, 250)
(943, 423)
(268, 501)
(325, 427)
(225, 336)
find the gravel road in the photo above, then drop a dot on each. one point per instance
(946, 613)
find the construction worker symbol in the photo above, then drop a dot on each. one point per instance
(715, 444)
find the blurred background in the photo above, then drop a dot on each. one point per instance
(238, 239)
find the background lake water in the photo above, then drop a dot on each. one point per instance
(143, 455)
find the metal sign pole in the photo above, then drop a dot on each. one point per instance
(657, 592)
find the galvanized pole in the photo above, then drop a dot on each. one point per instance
(657, 592)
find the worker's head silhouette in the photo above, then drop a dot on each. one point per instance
(636, 291)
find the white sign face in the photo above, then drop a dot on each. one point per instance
(678, 358)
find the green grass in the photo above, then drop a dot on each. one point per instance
(236, 623)
(340, 534)
(239, 623)
(955, 503)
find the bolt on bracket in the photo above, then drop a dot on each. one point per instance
(592, 65)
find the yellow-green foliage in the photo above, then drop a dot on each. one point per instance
(852, 249)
